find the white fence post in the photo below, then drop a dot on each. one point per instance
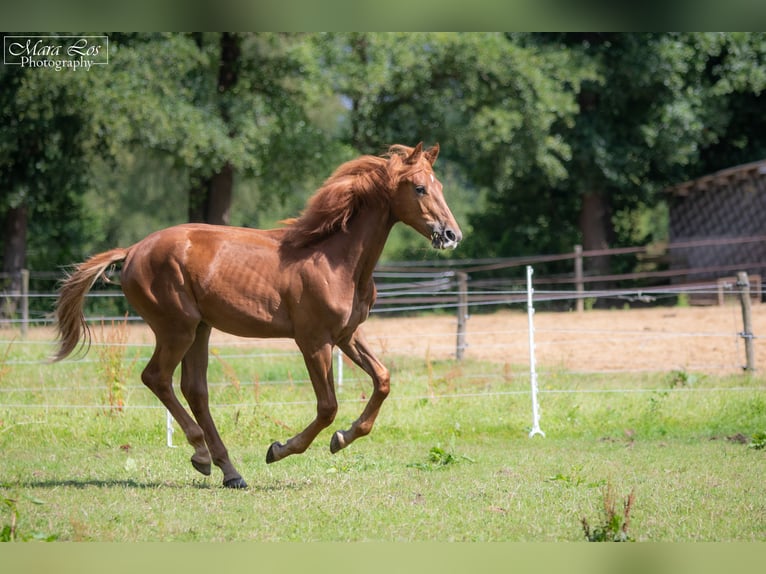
(169, 428)
(532, 369)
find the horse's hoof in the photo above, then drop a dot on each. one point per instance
(337, 442)
(270, 456)
(203, 467)
(236, 482)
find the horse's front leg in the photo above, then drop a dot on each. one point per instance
(318, 358)
(357, 349)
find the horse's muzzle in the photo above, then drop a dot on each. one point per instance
(445, 238)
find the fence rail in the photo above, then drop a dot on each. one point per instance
(455, 295)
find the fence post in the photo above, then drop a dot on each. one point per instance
(747, 319)
(339, 374)
(579, 285)
(462, 312)
(169, 429)
(532, 362)
(24, 302)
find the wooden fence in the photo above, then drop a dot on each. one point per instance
(460, 285)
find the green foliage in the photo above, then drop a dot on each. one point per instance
(758, 441)
(574, 478)
(44, 146)
(681, 378)
(438, 459)
(528, 124)
(10, 532)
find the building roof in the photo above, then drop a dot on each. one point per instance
(726, 176)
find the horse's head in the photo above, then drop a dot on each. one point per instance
(418, 200)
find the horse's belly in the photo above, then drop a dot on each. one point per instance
(247, 314)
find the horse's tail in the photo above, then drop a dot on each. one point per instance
(70, 321)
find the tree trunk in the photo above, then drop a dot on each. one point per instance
(14, 255)
(359, 138)
(210, 200)
(596, 228)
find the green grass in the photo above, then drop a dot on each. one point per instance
(448, 460)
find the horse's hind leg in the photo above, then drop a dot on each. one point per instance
(158, 376)
(194, 388)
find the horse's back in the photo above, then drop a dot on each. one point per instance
(229, 277)
(196, 247)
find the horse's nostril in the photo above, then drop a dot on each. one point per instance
(450, 235)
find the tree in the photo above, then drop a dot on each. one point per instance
(44, 149)
(496, 107)
(734, 83)
(198, 109)
(547, 139)
(210, 198)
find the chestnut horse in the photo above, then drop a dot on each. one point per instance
(310, 281)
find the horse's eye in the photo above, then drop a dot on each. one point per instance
(420, 189)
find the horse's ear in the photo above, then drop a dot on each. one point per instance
(432, 154)
(415, 155)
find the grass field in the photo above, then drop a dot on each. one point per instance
(449, 460)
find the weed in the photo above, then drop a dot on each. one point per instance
(229, 372)
(758, 442)
(438, 458)
(572, 414)
(111, 355)
(4, 368)
(614, 525)
(11, 533)
(574, 478)
(430, 372)
(680, 378)
(8, 532)
(655, 403)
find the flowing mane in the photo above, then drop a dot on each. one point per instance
(365, 180)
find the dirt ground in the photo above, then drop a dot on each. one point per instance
(704, 339)
(660, 339)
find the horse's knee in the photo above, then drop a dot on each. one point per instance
(384, 384)
(326, 412)
(385, 387)
(152, 378)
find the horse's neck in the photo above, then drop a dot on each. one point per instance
(361, 245)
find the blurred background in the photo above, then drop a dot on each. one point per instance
(548, 141)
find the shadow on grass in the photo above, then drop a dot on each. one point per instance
(274, 486)
(90, 482)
